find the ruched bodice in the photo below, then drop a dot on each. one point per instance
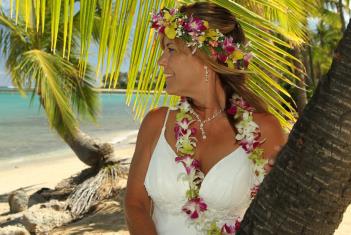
(225, 188)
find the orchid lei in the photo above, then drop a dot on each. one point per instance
(248, 136)
(197, 34)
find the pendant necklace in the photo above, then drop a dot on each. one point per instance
(202, 123)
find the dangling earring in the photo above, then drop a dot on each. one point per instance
(206, 73)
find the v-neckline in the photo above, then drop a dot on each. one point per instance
(213, 167)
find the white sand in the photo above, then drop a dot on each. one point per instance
(44, 173)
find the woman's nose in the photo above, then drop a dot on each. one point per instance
(162, 61)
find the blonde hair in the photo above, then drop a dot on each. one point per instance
(232, 81)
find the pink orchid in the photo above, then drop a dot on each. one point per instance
(232, 110)
(184, 123)
(231, 229)
(162, 29)
(181, 127)
(222, 58)
(177, 131)
(156, 20)
(188, 163)
(194, 25)
(247, 59)
(243, 104)
(228, 45)
(194, 207)
(249, 146)
(173, 11)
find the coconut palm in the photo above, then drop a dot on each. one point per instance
(64, 93)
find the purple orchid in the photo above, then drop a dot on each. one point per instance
(222, 58)
(194, 25)
(247, 59)
(173, 11)
(231, 229)
(194, 207)
(188, 163)
(228, 45)
(249, 146)
(232, 110)
(240, 102)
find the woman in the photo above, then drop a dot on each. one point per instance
(197, 167)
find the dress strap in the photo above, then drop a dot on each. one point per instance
(164, 123)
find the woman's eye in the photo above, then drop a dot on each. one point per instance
(171, 50)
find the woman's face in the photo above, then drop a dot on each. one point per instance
(184, 72)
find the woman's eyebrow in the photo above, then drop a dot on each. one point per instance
(170, 43)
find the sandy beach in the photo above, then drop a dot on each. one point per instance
(47, 173)
(37, 174)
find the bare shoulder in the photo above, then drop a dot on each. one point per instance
(272, 132)
(151, 126)
(267, 121)
(153, 120)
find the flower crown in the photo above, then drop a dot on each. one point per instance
(196, 33)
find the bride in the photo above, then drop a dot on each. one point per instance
(197, 166)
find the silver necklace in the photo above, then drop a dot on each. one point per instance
(202, 123)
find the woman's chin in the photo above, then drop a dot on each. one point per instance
(170, 91)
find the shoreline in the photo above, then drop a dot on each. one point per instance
(119, 140)
(47, 171)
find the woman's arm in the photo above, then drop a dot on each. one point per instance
(136, 201)
(272, 131)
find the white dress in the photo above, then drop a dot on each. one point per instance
(226, 189)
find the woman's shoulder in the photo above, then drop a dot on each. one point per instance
(154, 119)
(265, 120)
(272, 131)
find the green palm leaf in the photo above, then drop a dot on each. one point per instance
(63, 93)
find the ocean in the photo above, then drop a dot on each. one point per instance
(25, 133)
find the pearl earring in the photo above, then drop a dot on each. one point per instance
(206, 73)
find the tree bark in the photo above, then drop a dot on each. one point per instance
(309, 188)
(89, 150)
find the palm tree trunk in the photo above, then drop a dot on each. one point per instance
(89, 150)
(309, 189)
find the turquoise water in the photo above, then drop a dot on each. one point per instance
(24, 130)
